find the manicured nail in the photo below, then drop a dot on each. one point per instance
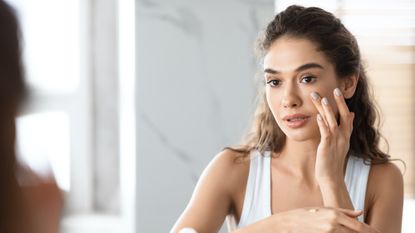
(314, 95)
(325, 101)
(319, 117)
(337, 92)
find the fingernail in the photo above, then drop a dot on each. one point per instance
(314, 95)
(337, 92)
(319, 117)
(325, 101)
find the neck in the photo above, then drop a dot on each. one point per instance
(299, 158)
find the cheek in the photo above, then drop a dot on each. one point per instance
(328, 93)
(273, 99)
(274, 103)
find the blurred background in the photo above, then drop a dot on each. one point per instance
(131, 99)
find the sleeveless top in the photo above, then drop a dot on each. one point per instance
(257, 201)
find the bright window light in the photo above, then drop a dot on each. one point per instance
(408, 224)
(51, 45)
(43, 144)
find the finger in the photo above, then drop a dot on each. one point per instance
(355, 225)
(324, 130)
(329, 114)
(342, 106)
(351, 213)
(317, 103)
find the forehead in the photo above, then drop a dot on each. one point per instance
(288, 53)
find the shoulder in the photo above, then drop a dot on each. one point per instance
(385, 197)
(385, 173)
(385, 182)
(227, 172)
(228, 165)
(212, 198)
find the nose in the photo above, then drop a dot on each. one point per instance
(291, 99)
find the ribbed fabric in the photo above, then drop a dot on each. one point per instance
(257, 201)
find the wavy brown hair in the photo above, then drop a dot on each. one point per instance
(341, 49)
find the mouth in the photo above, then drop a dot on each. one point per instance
(295, 117)
(296, 120)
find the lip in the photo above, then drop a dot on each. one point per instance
(298, 115)
(298, 123)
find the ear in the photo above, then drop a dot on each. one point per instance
(348, 86)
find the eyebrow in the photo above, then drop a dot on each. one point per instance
(300, 68)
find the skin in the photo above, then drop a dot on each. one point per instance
(323, 147)
(43, 201)
(312, 161)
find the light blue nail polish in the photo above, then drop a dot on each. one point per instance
(314, 95)
(325, 101)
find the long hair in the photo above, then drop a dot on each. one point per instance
(341, 49)
(12, 214)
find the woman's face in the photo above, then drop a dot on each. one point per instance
(293, 69)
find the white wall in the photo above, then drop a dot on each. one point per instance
(195, 94)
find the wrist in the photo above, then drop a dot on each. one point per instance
(331, 182)
(335, 194)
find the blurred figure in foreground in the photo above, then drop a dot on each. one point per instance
(28, 203)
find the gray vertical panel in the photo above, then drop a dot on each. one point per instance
(105, 107)
(195, 94)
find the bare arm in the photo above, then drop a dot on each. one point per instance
(211, 199)
(385, 187)
(335, 194)
(325, 220)
(332, 149)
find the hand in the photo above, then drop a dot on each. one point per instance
(324, 220)
(335, 138)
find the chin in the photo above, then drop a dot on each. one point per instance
(301, 135)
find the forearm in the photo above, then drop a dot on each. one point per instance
(335, 194)
(272, 224)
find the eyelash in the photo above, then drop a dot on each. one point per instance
(271, 81)
(272, 84)
(313, 78)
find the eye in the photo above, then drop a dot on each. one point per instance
(274, 82)
(307, 79)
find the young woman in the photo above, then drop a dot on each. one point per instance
(312, 161)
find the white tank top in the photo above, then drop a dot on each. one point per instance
(257, 201)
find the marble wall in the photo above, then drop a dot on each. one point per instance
(195, 94)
